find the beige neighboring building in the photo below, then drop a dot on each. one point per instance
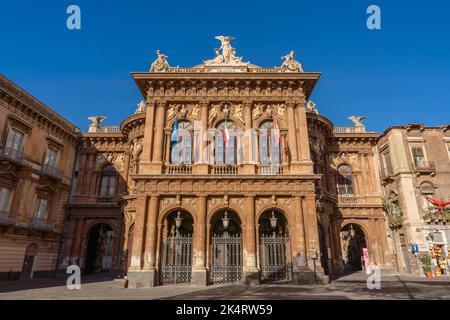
(37, 152)
(414, 164)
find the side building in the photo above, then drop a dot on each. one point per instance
(415, 171)
(37, 153)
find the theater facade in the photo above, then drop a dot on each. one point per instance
(226, 173)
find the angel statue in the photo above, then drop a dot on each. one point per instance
(160, 64)
(290, 63)
(357, 120)
(140, 107)
(96, 121)
(227, 49)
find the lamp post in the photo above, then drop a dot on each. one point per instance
(178, 221)
(273, 223)
(225, 222)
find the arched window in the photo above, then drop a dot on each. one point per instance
(427, 189)
(108, 184)
(345, 180)
(269, 144)
(181, 152)
(225, 152)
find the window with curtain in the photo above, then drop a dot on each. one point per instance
(269, 149)
(4, 198)
(418, 156)
(14, 143)
(345, 180)
(41, 208)
(108, 184)
(225, 153)
(51, 157)
(181, 152)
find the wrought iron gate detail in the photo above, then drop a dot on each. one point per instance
(274, 262)
(176, 266)
(226, 260)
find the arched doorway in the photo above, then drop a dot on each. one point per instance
(323, 249)
(176, 262)
(28, 262)
(226, 248)
(353, 241)
(99, 252)
(274, 249)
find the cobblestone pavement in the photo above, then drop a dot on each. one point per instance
(349, 287)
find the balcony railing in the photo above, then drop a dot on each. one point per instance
(41, 224)
(7, 218)
(225, 169)
(348, 199)
(11, 154)
(270, 170)
(179, 169)
(108, 129)
(424, 166)
(349, 129)
(52, 171)
(107, 199)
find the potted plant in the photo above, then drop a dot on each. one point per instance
(426, 265)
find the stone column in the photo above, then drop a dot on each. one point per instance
(199, 276)
(202, 167)
(158, 142)
(306, 165)
(299, 244)
(251, 273)
(135, 278)
(148, 137)
(150, 242)
(292, 137)
(249, 165)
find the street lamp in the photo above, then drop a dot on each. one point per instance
(225, 220)
(273, 222)
(178, 221)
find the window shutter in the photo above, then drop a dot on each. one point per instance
(275, 152)
(231, 150)
(112, 185)
(104, 186)
(175, 157)
(187, 149)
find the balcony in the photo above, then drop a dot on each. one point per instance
(7, 219)
(437, 215)
(107, 200)
(348, 199)
(425, 167)
(225, 169)
(11, 154)
(349, 129)
(179, 169)
(41, 224)
(270, 170)
(52, 171)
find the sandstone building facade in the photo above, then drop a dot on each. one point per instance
(37, 152)
(225, 173)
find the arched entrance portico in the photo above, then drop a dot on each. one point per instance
(353, 241)
(226, 248)
(99, 252)
(274, 247)
(177, 251)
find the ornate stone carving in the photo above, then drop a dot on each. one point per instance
(290, 64)
(281, 111)
(213, 113)
(140, 107)
(311, 107)
(160, 64)
(173, 109)
(239, 113)
(228, 55)
(96, 121)
(257, 111)
(136, 147)
(357, 120)
(195, 112)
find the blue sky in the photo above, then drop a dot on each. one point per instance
(397, 75)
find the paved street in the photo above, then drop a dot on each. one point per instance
(349, 287)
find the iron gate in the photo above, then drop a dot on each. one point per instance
(176, 266)
(226, 259)
(273, 251)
